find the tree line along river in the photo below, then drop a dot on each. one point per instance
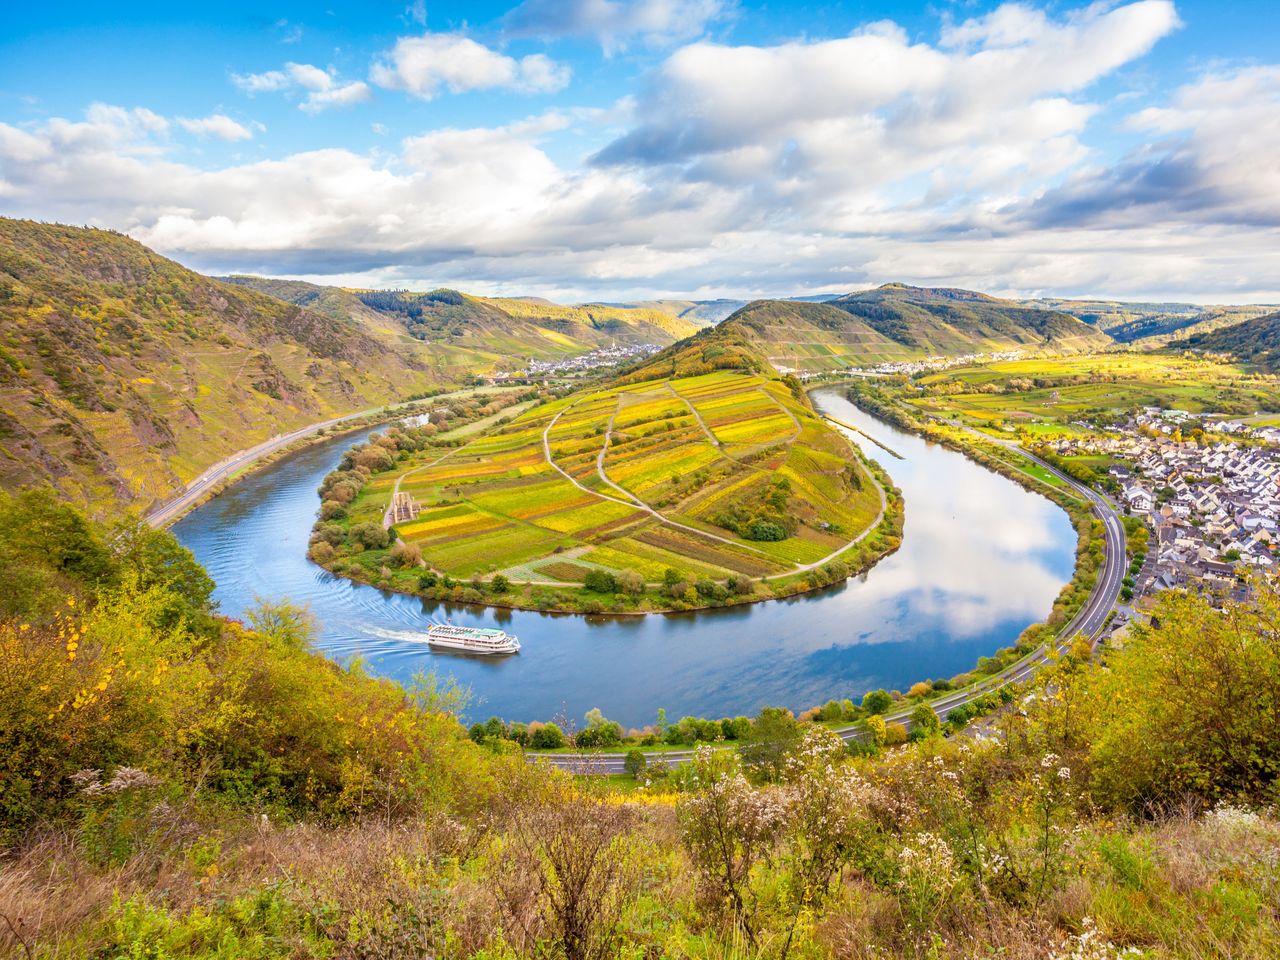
(981, 558)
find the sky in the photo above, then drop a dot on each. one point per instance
(634, 149)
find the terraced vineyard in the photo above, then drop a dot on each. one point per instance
(725, 475)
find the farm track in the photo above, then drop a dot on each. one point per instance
(546, 449)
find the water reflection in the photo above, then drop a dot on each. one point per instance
(981, 558)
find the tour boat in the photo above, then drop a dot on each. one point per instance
(479, 640)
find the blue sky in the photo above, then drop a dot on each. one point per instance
(634, 148)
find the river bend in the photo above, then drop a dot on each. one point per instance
(981, 558)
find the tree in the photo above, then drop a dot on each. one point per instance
(924, 722)
(48, 552)
(1189, 705)
(630, 583)
(635, 763)
(499, 584)
(879, 733)
(547, 737)
(370, 535)
(157, 559)
(600, 581)
(877, 701)
(775, 733)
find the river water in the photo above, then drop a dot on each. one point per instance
(981, 558)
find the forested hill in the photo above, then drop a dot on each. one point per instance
(940, 320)
(1254, 341)
(1151, 324)
(123, 374)
(892, 322)
(477, 330)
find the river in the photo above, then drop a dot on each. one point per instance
(981, 558)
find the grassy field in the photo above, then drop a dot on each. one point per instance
(655, 476)
(1044, 396)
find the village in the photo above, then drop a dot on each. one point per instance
(1210, 490)
(610, 356)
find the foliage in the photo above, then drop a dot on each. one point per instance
(127, 374)
(1191, 704)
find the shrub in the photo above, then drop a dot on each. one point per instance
(765, 530)
(631, 583)
(370, 535)
(924, 722)
(600, 581)
(877, 701)
(635, 763)
(321, 552)
(406, 554)
(547, 737)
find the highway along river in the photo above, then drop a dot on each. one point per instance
(981, 558)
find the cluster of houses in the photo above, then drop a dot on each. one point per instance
(928, 364)
(1212, 506)
(609, 356)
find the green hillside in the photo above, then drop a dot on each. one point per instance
(940, 320)
(1255, 341)
(469, 334)
(123, 374)
(1150, 324)
(890, 323)
(641, 322)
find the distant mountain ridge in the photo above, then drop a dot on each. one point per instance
(1255, 341)
(1152, 324)
(890, 323)
(490, 327)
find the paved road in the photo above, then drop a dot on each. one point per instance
(1088, 622)
(167, 512)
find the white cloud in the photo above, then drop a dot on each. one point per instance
(424, 65)
(614, 23)
(216, 125)
(269, 82)
(745, 171)
(321, 88)
(1212, 161)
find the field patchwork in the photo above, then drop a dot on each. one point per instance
(715, 476)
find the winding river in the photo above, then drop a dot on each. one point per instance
(981, 558)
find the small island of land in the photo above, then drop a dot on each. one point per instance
(671, 493)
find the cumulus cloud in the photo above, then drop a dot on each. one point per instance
(423, 66)
(1212, 160)
(216, 125)
(983, 106)
(801, 167)
(320, 89)
(614, 23)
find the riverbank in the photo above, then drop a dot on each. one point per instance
(222, 475)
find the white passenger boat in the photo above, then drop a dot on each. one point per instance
(479, 640)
